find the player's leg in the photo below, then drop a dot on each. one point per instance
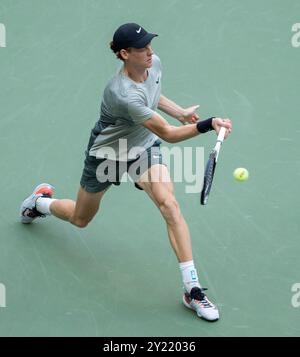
(81, 212)
(158, 185)
(92, 188)
(149, 173)
(156, 182)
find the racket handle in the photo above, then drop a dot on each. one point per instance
(220, 140)
(221, 135)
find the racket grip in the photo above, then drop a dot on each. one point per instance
(221, 134)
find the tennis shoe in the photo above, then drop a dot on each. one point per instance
(196, 300)
(28, 211)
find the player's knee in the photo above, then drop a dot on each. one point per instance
(170, 209)
(80, 223)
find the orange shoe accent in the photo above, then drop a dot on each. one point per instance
(45, 191)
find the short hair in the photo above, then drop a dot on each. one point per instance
(116, 51)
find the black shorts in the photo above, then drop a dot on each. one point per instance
(99, 174)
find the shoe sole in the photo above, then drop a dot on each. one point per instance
(27, 220)
(186, 304)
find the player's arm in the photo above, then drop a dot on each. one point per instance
(172, 134)
(169, 107)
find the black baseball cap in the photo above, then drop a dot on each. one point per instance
(131, 35)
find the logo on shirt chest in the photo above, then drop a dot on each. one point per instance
(157, 81)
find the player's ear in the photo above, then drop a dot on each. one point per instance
(124, 54)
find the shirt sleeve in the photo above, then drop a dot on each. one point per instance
(137, 108)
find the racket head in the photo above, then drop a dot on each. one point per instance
(208, 177)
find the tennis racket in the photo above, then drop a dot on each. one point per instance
(211, 167)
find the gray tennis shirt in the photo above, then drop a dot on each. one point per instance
(119, 133)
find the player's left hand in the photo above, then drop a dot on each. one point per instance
(189, 115)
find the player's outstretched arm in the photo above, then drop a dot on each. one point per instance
(172, 134)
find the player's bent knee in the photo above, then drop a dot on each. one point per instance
(170, 209)
(80, 223)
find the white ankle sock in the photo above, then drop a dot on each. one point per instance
(43, 205)
(189, 275)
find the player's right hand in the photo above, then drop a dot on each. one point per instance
(217, 123)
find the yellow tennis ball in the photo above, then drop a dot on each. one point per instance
(241, 174)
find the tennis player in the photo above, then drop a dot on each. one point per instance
(129, 116)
